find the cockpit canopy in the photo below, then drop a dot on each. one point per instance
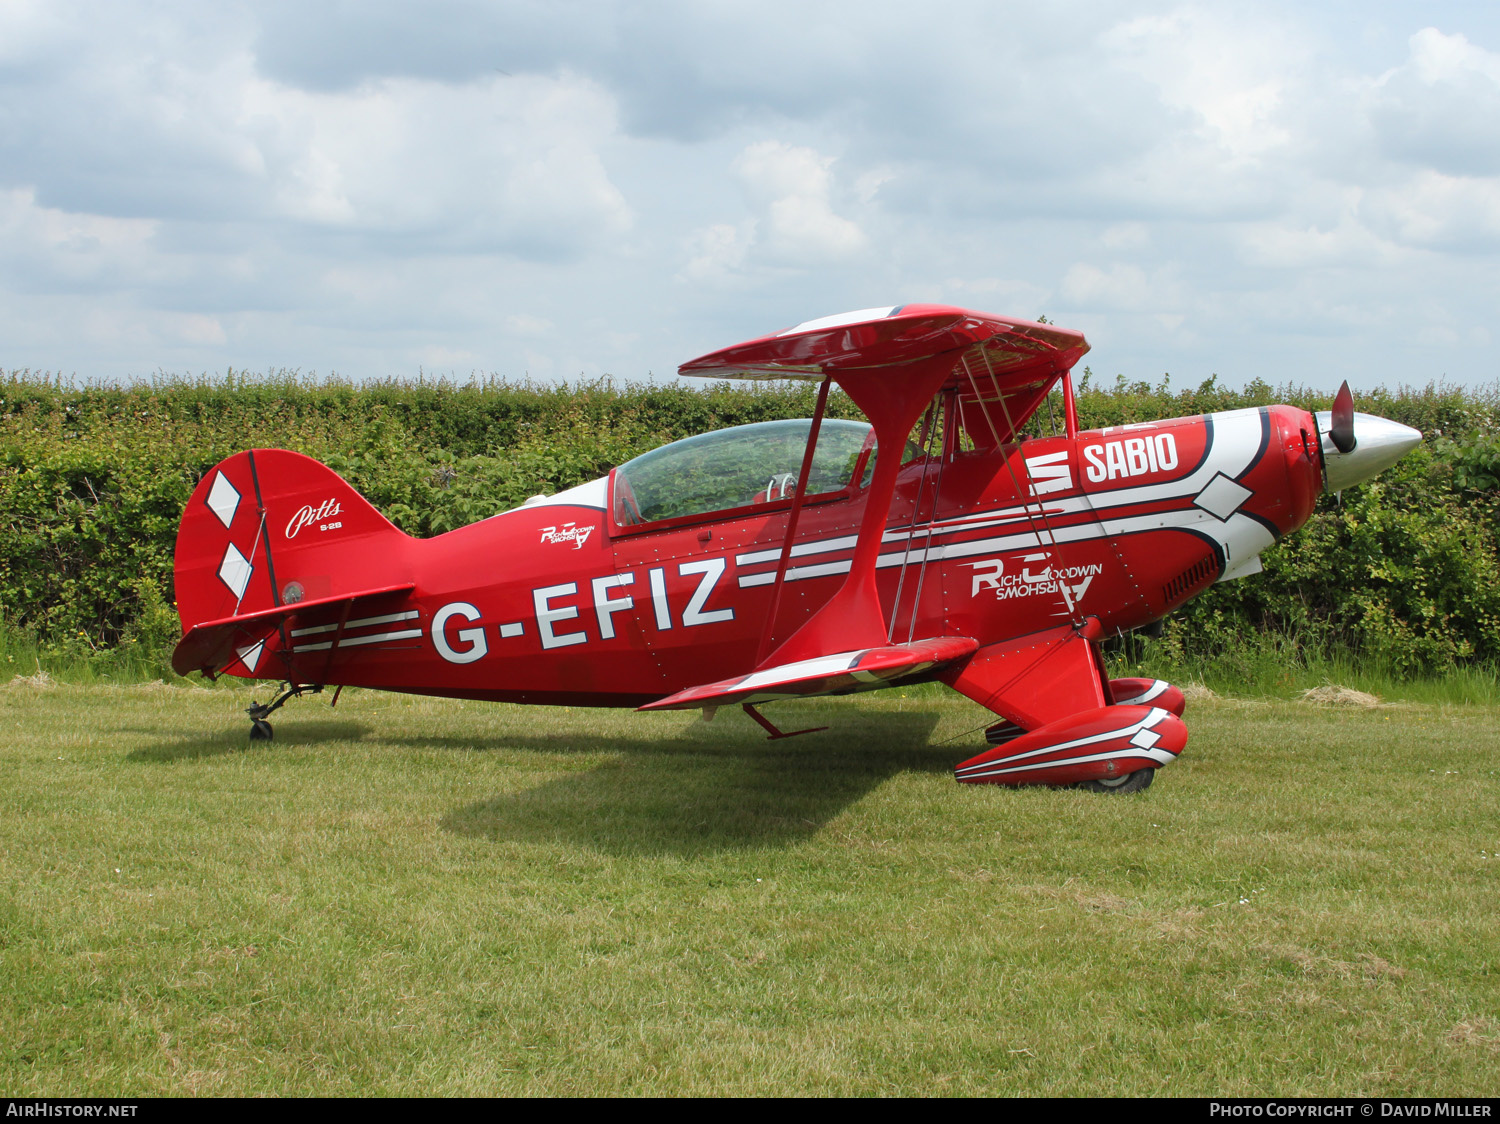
(739, 467)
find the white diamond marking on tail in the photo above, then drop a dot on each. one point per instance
(235, 571)
(223, 500)
(251, 656)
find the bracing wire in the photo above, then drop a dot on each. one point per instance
(1050, 539)
(251, 562)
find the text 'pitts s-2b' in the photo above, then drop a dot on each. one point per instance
(940, 539)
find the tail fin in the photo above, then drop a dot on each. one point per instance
(269, 528)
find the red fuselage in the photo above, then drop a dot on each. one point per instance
(561, 602)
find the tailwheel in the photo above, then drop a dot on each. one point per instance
(1138, 781)
(260, 730)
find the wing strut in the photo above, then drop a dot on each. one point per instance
(791, 527)
(1070, 406)
(852, 617)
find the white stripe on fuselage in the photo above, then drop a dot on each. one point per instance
(1239, 537)
(1235, 433)
(359, 641)
(1236, 439)
(363, 622)
(823, 546)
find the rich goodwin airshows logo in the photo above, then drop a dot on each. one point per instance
(989, 573)
(568, 532)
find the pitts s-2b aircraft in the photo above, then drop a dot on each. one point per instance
(791, 559)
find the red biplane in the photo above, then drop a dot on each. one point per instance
(946, 538)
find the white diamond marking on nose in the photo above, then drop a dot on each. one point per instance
(234, 571)
(223, 500)
(1221, 497)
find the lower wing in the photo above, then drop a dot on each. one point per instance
(833, 674)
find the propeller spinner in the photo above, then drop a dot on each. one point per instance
(1357, 446)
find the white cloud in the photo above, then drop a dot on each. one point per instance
(1437, 58)
(505, 163)
(440, 358)
(1126, 236)
(790, 188)
(580, 187)
(1441, 108)
(1114, 287)
(1023, 298)
(1343, 237)
(1229, 73)
(45, 248)
(196, 329)
(1438, 211)
(717, 251)
(526, 325)
(867, 184)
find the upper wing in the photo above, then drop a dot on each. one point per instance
(892, 362)
(1002, 367)
(825, 675)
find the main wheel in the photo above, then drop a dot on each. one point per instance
(1138, 781)
(260, 730)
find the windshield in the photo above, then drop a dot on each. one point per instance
(729, 468)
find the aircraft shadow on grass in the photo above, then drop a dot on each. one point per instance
(234, 740)
(705, 792)
(711, 788)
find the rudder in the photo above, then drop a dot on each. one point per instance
(268, 528)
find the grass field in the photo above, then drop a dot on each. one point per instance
(410, 896)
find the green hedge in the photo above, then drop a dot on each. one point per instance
(94, 479)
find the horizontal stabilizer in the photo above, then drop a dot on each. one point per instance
(208, 647)
(839, 673)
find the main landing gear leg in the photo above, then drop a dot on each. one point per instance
(773, 734)
(260, 729)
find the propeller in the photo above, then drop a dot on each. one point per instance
(1342, 430)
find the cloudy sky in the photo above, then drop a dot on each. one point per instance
(1288, 191)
